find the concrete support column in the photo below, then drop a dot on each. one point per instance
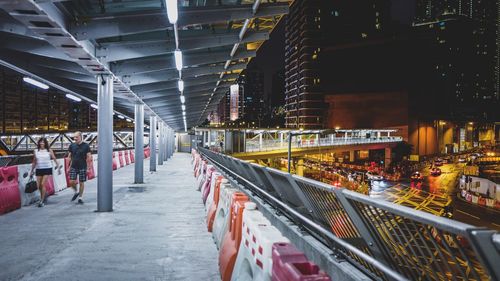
(345, 137)
(152, 143)
(168, 134)
(139, 143)
(300, 167)
(169, 141)
(281, 139)
(105, 143)
(352, 156)
(165, 138)
(378, 135)
(332, 138)
(388, 156)
(160, 143)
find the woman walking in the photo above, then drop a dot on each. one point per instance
(42, 157)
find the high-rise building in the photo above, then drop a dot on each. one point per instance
(255, 108)
(311, 26)
(466, 34)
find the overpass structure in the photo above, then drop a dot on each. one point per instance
(255, 144)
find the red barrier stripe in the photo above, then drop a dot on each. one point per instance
(259, 263)
(253, 252)
(260, 250)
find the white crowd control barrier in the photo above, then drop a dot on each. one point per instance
(222, 214)
(210, 198)
(23, 178)
(123, 162)
(94, 159)
(212, 175)
(204, 175)
(59, 179)
(117, 159)
(254, 261)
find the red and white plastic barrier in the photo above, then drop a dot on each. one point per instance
(232, 238)
(250, 247)
(255, 253)
(289, 264)
(222, 214)
(10, 197)
(23, 178)
(121, 159)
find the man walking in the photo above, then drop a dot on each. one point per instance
(79, 156)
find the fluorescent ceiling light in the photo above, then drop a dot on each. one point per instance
(35, 83)
(75, 98)
(184, 113)
(180, 83)
(121, 116)
(172, 11)
(178, 59)
(183, 107)
(183, 99)
(129, 120)
(94, 106)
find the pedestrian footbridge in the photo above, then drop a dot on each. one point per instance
(209, 216)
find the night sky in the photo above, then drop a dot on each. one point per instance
(271, 56)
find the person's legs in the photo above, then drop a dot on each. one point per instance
(82, 176)
(41, 188)
(73, 173)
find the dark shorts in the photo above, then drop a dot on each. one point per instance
(43, 172)
(80, 173)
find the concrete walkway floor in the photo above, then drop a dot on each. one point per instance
(157, 231)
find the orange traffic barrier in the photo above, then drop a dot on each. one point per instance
(222, 218)
(232, 238)
(215, 203)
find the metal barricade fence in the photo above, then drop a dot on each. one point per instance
(384, 240)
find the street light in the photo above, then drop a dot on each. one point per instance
(75, 98)
(178, 59)
(35, 83)
(172, 11)
(180, 84)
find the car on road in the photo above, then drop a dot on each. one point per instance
(438, 163)
(462, 160)
(435, 171)
(416, 177)
(374, 176)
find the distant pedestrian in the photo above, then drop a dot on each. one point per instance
(79, 156)
(42, 162)
(221, 146)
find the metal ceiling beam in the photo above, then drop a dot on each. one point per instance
(172, 74)
(47, 62)
(149, 49)
(30, 45)
(189, 81)
(108, 26)
(166, 101)
(157, 98)
(50, 24)
(137, 66)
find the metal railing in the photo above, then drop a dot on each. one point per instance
(384, 240)
(269, 145)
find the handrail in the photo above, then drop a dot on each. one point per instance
(383, 239)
